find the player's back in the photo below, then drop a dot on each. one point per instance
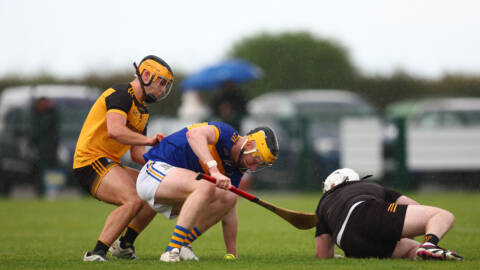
(334, 204)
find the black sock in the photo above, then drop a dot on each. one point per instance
(128, 237)
(431, 238)
(100, 248)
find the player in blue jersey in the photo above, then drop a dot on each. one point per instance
(167, 180)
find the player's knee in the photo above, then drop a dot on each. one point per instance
(228, 199)
(134, 205)
(449, 217)
(206, 189)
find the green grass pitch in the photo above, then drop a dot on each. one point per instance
(37, 234)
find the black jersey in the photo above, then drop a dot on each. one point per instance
(335, 204)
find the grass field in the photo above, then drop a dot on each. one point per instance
(37, 234)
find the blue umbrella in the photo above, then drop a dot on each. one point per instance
(236, 70)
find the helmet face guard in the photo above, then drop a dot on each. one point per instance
(259, 160)
(159, 70)
(167, 84)
(265, 153)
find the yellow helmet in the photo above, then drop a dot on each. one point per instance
(266, 144)
(158, 69)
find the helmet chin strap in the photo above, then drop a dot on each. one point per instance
(149, 98)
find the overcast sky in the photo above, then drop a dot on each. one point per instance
(69, 38)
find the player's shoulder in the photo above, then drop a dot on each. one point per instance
(370, 183)
(119, 96)
(122, 89)
(226, 131)
(222, 126)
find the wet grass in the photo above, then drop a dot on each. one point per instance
(38, 234)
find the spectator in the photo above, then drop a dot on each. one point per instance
(230, 105)
(45, 138)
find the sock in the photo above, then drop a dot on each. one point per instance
(100, 248)
(178, 238)
(431, 238)
(128, 237)
(192, 236)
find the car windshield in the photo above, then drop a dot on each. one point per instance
(326, 117)
(333, 108)
(436, 119)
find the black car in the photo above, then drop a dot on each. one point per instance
(20, 160)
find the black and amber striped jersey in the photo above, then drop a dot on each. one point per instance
(335, 204)
(94, 141)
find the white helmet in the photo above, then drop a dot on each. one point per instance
(339, 176)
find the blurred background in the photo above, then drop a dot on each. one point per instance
(389, 88)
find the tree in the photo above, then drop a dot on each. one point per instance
(296, 61)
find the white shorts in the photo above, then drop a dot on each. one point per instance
(150, 176)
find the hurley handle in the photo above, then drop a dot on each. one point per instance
(233, 189)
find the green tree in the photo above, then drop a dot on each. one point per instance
(295, 61)
(383, 90)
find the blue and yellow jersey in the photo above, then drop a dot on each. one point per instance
(176, 151)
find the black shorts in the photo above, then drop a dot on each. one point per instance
(373, 229)
(90, 176)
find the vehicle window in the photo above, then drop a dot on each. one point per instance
(453, 119)
(72, 114)
(17, 122)
(472, 118)
(438, 119)
(427, 120)
(331, 108)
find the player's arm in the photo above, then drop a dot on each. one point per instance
(405, 200)
(118, 130)
(136, 153)
(230, 228)
(393, 196)
(199, 138)
(324, 246)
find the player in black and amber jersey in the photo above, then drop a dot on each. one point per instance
(367, 220)
(115, 124)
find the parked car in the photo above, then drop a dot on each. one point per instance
(434, 140)
(437, 112)
(17, 158)
(308, 124)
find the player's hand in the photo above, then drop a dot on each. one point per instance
(156, 139)
(159, 137)
(223, 182)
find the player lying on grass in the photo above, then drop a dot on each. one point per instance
(367, 220)
(167, 180)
